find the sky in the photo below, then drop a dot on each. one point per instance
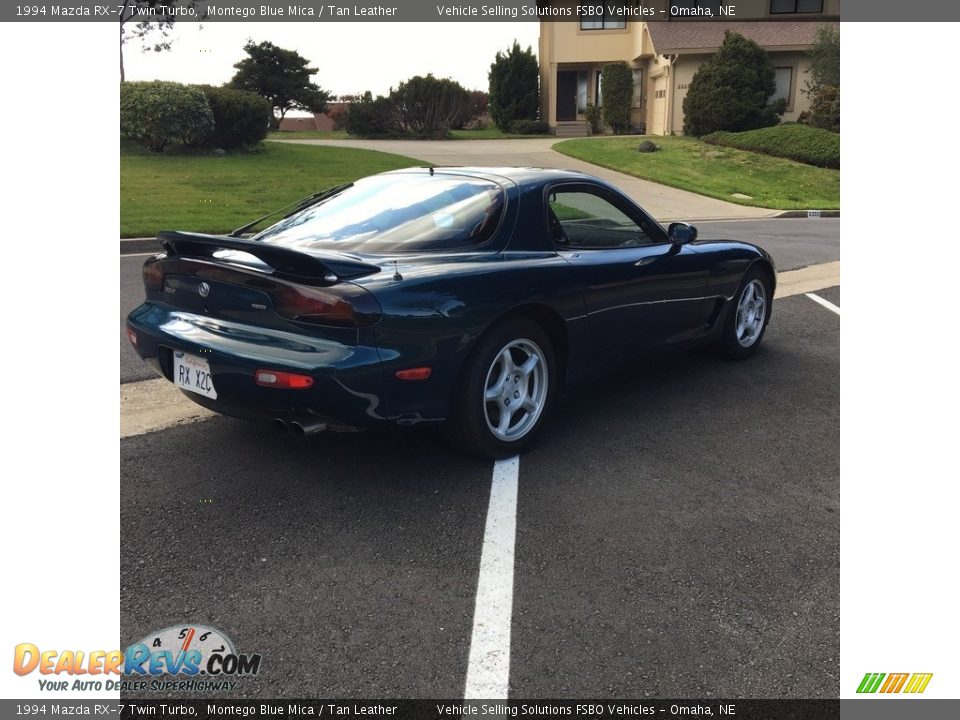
(350, 57)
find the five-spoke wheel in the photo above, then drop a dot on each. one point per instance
(751, 313)
(516, 390)
(505, 390)
(747, 319)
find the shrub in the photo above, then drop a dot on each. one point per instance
(240, 118)
(823, 87)
(514, 87)
(157, 113)
(731, 90)
(647, 146)
(428, 107)
(337, 115)
(372, 118)
(592, 114)
(616, 89)
(825, 107)
(476, 108)
(802, 143)
(530, 127)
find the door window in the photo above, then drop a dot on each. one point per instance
(579, 219)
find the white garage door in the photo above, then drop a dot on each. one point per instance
(658, 119)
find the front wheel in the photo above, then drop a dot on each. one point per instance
(747, 320)
(504, 392)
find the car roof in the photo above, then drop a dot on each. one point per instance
(521, 176)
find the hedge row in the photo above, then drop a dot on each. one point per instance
(802, 143)
(529, 127)
(158, 113)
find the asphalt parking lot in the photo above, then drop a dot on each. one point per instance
(677, 535)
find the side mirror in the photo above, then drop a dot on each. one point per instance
(681, 233)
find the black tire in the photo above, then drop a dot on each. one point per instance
(468, 425)
(733, 342)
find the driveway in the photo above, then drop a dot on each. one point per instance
(664, 203)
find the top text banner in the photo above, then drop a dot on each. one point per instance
(593, 15)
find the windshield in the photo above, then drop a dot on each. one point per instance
(396, 213)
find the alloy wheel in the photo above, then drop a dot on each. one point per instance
(515, 391)
(751, 313)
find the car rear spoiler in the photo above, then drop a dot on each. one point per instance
(287, 263)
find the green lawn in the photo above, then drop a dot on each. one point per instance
(714, 171)
(183, 190)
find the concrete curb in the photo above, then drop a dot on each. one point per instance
(806, 213)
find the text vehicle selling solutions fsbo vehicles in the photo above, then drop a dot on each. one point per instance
(464, 296)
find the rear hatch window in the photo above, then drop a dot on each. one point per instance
(397, 213)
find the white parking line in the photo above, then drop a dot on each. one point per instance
(488, 670)
(826, 303)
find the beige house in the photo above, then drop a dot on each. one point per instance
(665, 54)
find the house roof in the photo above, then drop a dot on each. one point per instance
(687, 37)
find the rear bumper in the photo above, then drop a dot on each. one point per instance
(348, 379)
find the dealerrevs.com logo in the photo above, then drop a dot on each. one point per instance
(190, 658)
(912, 683)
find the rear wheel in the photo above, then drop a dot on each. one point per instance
(504, 392)
(747, 320)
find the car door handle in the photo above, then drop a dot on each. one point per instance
(644, 261)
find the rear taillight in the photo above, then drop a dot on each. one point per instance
(280, 379)
(345, 306)
(153, 274)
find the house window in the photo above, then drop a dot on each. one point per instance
(784, 76)
(597, 94)
(605, 20)
(637, 87)
(780, 7)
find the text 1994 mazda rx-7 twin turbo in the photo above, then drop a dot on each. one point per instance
(468, 296)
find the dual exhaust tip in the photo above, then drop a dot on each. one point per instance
(300, 428)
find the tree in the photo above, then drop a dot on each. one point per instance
(428, 106)
(823, 87)
(514, 87)
(156, 18)
(281, 76)
(731, 91)
(616, 83)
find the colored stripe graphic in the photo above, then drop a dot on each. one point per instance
(894, 682)
(915, 683)
(870, 682)
(918, 682)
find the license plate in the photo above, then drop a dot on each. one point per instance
(193, 373)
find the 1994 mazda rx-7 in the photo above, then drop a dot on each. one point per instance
(468, 296)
